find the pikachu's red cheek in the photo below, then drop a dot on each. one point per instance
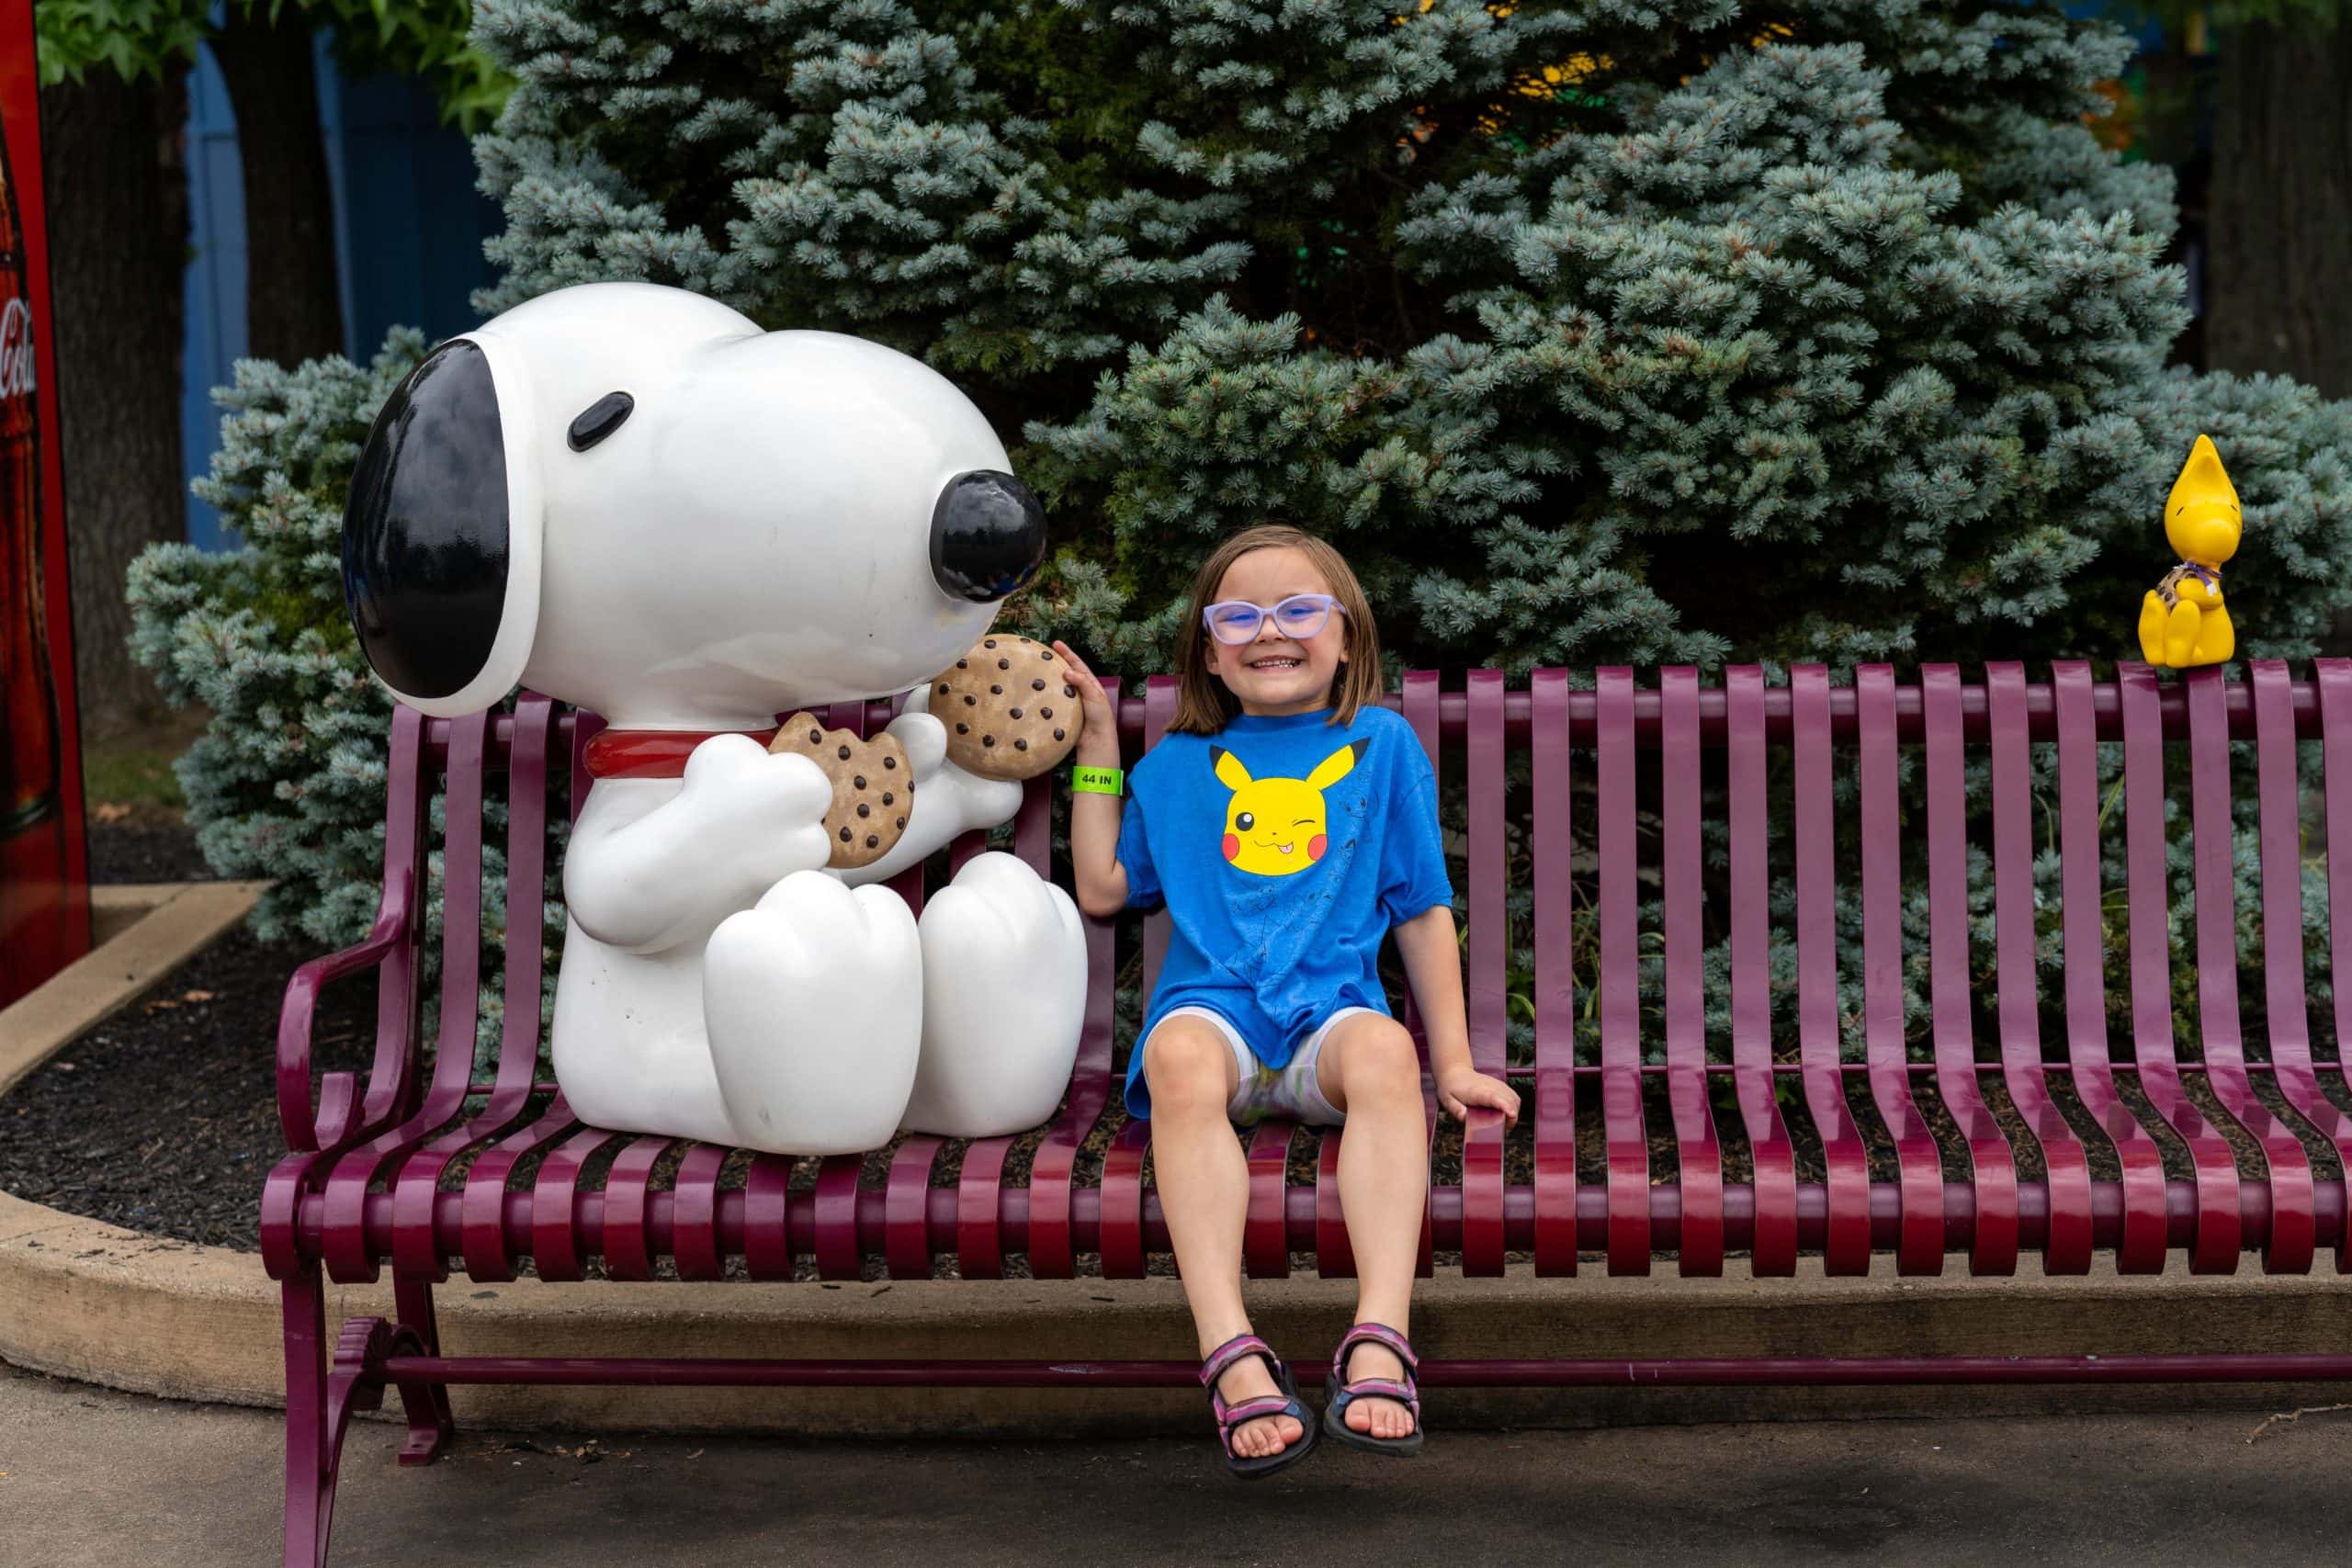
(1232, 847)
(1315, 847)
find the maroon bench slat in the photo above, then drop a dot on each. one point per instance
(1700, 1248)
(2141, 1247)
(1991, 1164)
(2292, 1221)
(1773, 1247)
(1265, 1246)
(1849, 1244)
(628, 1249)
(1554, 1107)
(2015, 938)
(2299, 1077)
(1484, 978)
(769, 1243)
(1623, 1126)
(694, 1242)
(1918, 1164)
(1123, 1239)
(1053, 1170)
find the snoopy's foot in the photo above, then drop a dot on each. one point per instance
(813, 999)
(1004, 992)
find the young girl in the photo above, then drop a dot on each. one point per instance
(1288, 823)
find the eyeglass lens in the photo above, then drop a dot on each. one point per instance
(1300, 617)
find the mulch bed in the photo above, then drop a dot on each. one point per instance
(165, 1118)
(144, 843)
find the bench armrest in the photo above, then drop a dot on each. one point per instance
(339, 1100)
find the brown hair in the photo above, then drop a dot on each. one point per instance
(1202, 703)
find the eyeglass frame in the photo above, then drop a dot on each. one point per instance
(1267, 611)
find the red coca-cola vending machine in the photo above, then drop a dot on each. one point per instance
(44, 870)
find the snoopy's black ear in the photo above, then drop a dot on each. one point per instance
(427, 532)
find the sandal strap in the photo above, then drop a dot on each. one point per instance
(1240, 1347)
(1374, 1334)
(1249, 1410)
(1379, 1388)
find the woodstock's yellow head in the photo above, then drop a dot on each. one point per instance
(2202, 517)
(1274, 826)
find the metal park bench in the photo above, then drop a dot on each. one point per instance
(1692, 814)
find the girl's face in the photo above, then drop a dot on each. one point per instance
(1275, 675)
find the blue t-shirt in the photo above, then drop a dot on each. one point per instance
(1283, 848)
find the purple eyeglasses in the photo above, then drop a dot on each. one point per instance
(1300, 617)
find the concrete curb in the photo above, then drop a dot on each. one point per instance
(86, 1300)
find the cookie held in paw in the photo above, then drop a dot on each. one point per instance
(874, 789)
(1009, 706)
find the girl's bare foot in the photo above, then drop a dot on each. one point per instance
(1371, 1413)
(1269, 1435)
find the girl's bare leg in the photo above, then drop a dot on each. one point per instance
(1368, 1069)
(1203, 1184)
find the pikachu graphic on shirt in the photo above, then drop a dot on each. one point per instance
(1276, 827)
(2182, 621)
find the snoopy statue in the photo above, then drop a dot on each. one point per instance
(632, 498)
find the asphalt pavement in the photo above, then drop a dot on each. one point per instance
(89, 1477)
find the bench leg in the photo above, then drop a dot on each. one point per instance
(310, 1455)
(430, 1422)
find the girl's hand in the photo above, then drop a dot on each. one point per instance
(1098, 738)
(1458, 1091)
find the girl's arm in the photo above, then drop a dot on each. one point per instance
(1434, 966)
(1094, 818)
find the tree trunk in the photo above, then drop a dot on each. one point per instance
(116, 186)
(292, 310)
(2281, 210)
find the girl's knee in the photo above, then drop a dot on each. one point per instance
(1377, 1057)
(1188, 1065)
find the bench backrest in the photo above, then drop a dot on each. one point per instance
(1639, 858)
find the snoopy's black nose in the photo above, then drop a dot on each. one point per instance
(988, 534)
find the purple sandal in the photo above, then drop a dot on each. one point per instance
(1230, 1418)
(1344, 1393)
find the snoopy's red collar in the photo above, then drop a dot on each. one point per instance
(652, 753)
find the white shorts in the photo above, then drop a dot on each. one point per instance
(1289, 1092)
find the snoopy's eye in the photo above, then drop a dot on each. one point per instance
(1245, 821)
(599, 420)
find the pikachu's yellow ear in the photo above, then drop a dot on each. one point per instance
(2202, 478)
(1229, 771)
(1336, 766)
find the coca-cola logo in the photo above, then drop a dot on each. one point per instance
(16, 349)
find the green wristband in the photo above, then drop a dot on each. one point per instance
(1097, 781)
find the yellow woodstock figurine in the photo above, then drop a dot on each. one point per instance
(2182, 623)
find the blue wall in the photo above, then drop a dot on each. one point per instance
(408, 251)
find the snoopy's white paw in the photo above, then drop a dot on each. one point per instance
(1004, 993)
(813, 999)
